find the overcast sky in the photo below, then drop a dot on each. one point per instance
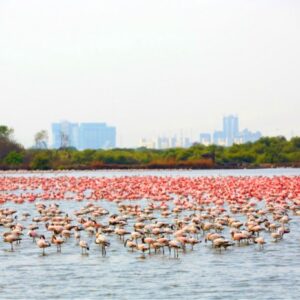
(150, 67)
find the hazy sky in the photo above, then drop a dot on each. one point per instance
(150, 66)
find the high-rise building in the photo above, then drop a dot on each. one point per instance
(162, 143)
(65, 134)
(83, 136)
(187, 142)
(219, 138)
(230, 134)
(205, 139)
(96, 136)
(230, 129)
(248, 136)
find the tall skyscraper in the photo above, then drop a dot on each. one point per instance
(96, 135)
(230, 129)
(83, 136)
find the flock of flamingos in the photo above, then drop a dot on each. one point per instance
(151, 215)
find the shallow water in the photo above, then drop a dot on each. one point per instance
(188, 173)
(244, 272)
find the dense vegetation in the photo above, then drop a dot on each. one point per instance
(268, 151)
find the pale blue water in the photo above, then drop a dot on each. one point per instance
(239, 273)
(189, 173)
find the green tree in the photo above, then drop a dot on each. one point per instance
(7, 144)
(6, 132)
(41, 139)
(14, 158)
(295, 141)
(41, 161)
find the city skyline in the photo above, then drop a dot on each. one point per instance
(111, 62)
(85, 135)
(180, 138)
(228, 135)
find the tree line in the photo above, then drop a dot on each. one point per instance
(266, 152)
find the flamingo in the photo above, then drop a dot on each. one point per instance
(102, 241)
(260, 241)
(84, 246)
(11, 238)
(42, 243)
(57, 241)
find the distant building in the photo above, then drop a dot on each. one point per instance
(163, 142)
(83, 136)
(150, 144)
(248, 136)
(205, 139)
(219, 138)
(186, 142)
(96, 136)
(230, 134)
(65, 134)
(173, 142)
(230, 129)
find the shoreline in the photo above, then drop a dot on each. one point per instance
(24, 171)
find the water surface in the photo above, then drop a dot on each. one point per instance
(244, 272)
